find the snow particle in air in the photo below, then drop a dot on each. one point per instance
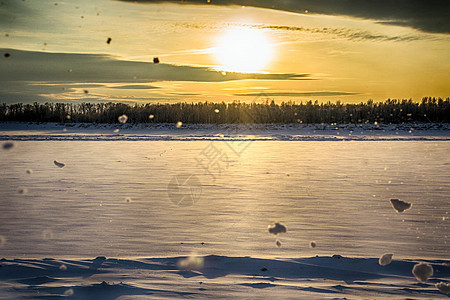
(47, 234)
(151, 116)
(443, 287)
(312, 244)
(58, 164)
(179, 124)
(108, 41)
(277, 228)
(86, 91)
(400, 205)
(278, 243)
(63, 267)
(123, 119)
(69, 292)
(216, 111)
(22, 191)
(7, 55)
(191, 263)
(29, 171)
(7, 145)
(385, 259)
(116, 130)
(155, 60)
(422, 271)
(2, 241)
(127, 199)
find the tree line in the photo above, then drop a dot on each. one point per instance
(391, 111)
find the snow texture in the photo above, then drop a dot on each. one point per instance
(213, 277)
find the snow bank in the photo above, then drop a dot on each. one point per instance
(217, 276)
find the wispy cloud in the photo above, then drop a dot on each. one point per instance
(340, 32)
(425, 15)
(345, 33)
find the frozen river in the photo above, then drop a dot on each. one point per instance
(121, 199)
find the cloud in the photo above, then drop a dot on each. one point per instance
(28, 76)
(15, 12)
(425, 15)
(99, 68)
(297, 94)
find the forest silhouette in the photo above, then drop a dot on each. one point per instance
(391, 111)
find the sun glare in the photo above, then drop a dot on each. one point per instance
(243, 50)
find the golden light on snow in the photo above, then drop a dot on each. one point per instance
(244, 50)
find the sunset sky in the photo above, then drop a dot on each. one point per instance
(223, 50)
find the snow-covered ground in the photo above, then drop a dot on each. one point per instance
(277, 132)
(147, 197)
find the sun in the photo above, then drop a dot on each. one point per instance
(243, 50)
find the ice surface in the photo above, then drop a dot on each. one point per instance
(385, 259)
(399, 205)
(422, 271)
(277, 228)
(443, 287)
